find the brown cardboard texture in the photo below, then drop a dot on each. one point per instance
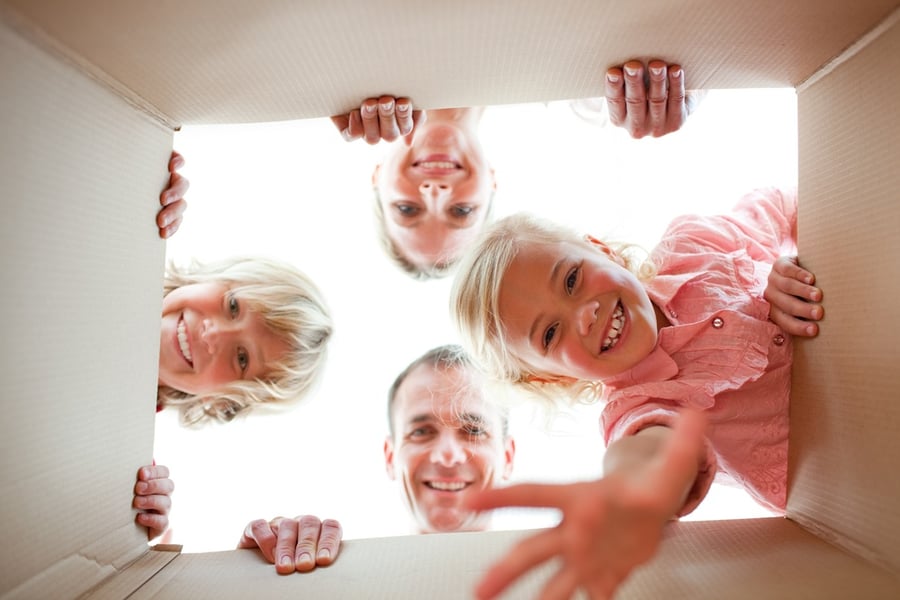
(92, 93)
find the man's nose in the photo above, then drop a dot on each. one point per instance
(448, 451)
(585, 316)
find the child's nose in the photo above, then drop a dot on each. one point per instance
(585, 316)
(213, 334)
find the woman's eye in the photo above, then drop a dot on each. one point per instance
(233, 307)
(461, 210)
(407, 210)
(548, 335)
(243, 359)
(571, 280)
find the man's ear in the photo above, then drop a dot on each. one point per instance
(605, 249)
(389, 458)
(509, 453)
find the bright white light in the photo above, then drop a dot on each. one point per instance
(297, 191)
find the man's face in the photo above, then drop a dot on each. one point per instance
(447, 444)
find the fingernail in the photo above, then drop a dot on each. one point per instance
(811, 330)
(656, 70)
(305, 559)
(285, 561)
(346, 134)
(630, 70)
(402, 108)
(323, 554)
(612, 78)
(675, 72)
(387, 105)
(369, 109)
(166, 221)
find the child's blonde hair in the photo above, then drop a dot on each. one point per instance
(291, 306)
(474, 302)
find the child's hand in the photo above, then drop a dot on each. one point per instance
(172, 199)
(794, 300)
(385, 118)
(301, 543)
(609, 526)
(152, 498)
(655, 108)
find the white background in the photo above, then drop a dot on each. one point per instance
(297, 191)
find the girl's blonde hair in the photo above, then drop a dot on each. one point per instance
(474, 303)
(291, 306)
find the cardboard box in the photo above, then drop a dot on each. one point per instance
(92, 93)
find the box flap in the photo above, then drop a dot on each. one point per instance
(845, 405)
(81, 172)
(748, 559)
(269, 60)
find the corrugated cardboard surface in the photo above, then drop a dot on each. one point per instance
(751, 559)
(267, 60)
(845, 408)
(80, 173)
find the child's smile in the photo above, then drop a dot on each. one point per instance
(570, 310)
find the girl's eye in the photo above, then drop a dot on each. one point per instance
(233, 307)
(461, 210)
(549, 334)
(243, 359)
(571, 280)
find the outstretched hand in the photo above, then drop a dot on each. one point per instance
(386, 118)
(300, 544)
(794, 300)
(609, 526)
(152, 498)
(172, 199)
(655, 106)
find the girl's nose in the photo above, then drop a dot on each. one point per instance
(585, 316)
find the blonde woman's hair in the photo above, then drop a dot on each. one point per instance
(291, 306)
(474, 304)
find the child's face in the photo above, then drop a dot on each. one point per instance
(569, 310)
(209, 338)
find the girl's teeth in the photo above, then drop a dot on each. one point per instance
(616, 325)
(183, 341)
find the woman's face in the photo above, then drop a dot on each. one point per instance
(435, 193)
(210, 338)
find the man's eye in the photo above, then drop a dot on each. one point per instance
(549, 335)
(243, 359)
(461, 210)
(571, 280)
(475, 430)
(233, 307)
(419, 432)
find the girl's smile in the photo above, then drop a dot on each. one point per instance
(571, 310)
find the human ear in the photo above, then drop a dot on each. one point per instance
(375, 176)
(509, 454)
(389, 458)
(605, 249)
